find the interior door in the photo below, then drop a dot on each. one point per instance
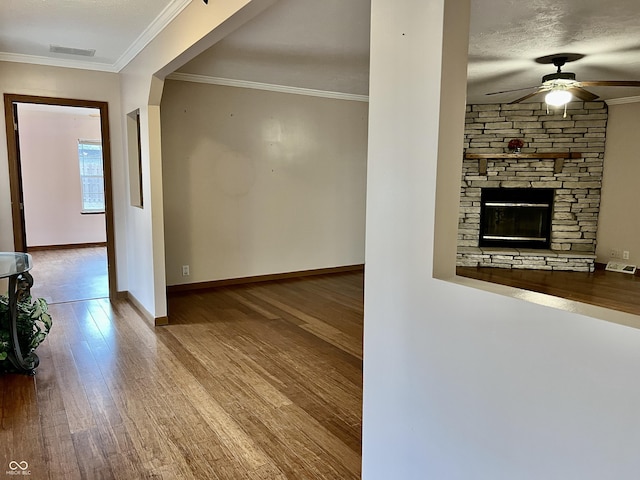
(11, 102)
(15, 176)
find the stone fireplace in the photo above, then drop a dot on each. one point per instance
(560, 164)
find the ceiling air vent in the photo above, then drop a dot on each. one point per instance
(72, 51)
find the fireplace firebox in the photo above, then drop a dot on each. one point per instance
(516, 217)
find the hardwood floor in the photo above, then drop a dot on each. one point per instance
(613, 290)
(248, 382)
(69, 275)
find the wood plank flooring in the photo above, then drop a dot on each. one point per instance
(69, 275)
(249, 382)
(613, 290)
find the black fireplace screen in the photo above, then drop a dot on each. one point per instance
(516, 217)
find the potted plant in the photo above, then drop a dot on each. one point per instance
(33, 323)
(515, 145)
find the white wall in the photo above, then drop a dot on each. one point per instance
(618, 227)
(461, 383)
(260, 182)
(26, 79)
(51, 176)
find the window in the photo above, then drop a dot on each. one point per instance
(91, 176)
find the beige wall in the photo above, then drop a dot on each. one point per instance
(260, 182)
(196, 28)
(618, 227)
(26, 79)
(51, 177)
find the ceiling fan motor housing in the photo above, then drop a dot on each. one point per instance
(559, 76)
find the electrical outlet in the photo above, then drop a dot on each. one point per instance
(625, 255)
(185, 270)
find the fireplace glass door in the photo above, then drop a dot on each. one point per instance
(516, 217)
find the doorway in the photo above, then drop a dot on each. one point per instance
(89, 205)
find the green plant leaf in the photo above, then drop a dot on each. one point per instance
(46, 319)
(37, 310)
(33, 324)
(37, 340)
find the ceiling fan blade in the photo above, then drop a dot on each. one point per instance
(611, 83)
(509, 91)
(583, 94)
(526, 97)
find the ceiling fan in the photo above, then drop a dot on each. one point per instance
(563, 86)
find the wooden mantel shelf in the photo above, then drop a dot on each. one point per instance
(524, 155)
(558, 156)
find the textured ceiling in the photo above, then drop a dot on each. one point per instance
(324, 45)
(506, 36)
(321, 45)
(29, 27)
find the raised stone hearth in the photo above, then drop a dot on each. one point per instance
(575, 177)
(525, 258)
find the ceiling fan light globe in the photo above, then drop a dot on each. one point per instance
(558, 98)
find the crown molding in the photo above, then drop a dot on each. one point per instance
(620, 101)
(228, 82)
(170, 12)
(56, 62)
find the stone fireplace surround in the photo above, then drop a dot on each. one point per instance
(576, 181)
